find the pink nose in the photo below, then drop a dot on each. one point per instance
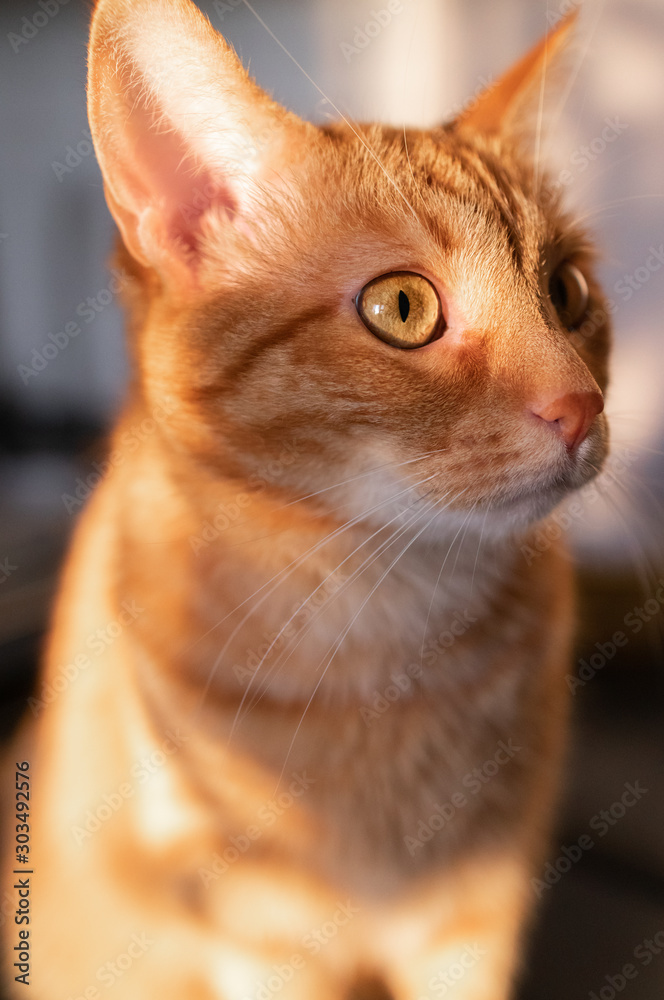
(570, 415)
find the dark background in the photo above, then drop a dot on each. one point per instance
(55, 237)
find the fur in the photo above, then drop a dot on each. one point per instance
(309, 515)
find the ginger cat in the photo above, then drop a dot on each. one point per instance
(300, 724)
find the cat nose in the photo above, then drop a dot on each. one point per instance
(570, 415)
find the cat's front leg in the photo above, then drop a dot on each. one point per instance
(470, 948)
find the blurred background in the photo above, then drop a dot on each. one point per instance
(415, 62)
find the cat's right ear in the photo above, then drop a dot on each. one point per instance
(181, 132)
(513, 105)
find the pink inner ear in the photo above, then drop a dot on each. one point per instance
(161, 171)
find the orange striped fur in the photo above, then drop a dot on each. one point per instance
(316, 756)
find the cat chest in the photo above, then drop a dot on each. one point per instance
(343, 806)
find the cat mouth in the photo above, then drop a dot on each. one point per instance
(529, 495)
(535, 500)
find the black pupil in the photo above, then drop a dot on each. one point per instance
(559, 294)
(404, 306)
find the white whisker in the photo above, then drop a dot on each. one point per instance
(271, 585)
(337, 644)
(440, 573)
(477, 555)
(356, 573)
(327, 489)
(333, 105)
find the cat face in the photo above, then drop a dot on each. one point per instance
(400, 308)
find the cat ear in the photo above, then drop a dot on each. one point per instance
(180, 130)
(513, 104)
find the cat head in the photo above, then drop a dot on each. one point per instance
(400, 308)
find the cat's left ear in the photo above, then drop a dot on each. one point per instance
(513, 105)
(182, 134)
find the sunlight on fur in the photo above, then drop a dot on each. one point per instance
(320, 756)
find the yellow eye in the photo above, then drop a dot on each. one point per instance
(402, 309)
(568, 290)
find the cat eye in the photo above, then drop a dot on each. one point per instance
(401, 308)
(568, 291)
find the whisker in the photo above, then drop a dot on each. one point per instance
(440, 573)
(357, 572)
(367, 562)
(338, 111)
(540, 119)
(571, 81)
(326, 489)
(275, 669)
(644, 490)
(646, 571)
(477, 555)
(418, 188)
(271, 585)
(347, 628)
(616, 203)
(349, 523)
(465, 531)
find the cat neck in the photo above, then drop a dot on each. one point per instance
(257, 590)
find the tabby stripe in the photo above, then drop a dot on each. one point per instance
(486, 181)
(255, 351)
